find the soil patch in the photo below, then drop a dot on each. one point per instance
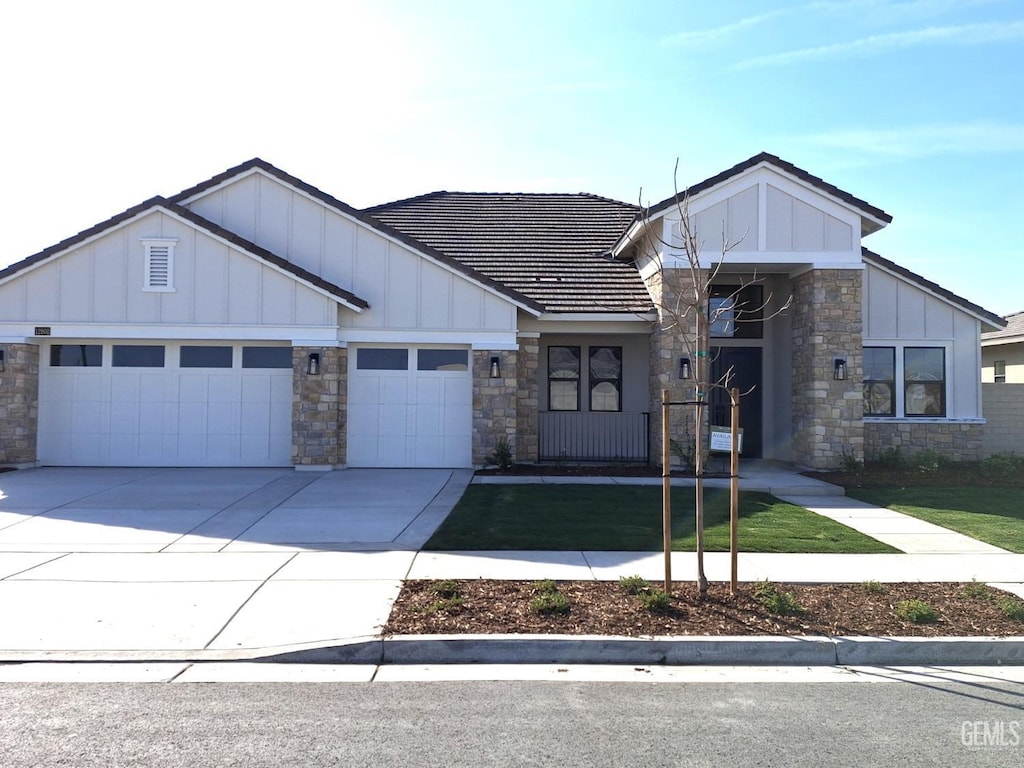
(486, 606)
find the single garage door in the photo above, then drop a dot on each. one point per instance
(146, 404)
(410, 407)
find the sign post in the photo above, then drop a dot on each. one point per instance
(734, 488)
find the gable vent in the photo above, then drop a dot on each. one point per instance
(159, 265)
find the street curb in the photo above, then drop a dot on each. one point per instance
(811, 651)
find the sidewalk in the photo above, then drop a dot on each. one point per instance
(327, 600)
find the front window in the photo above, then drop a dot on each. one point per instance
(879, 381)
(924, 381)
(564, 378)
(606, 378)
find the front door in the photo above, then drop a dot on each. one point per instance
(743, 366)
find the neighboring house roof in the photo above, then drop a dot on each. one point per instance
(548, 246)
(157, 203)
(800, 173)
(1013, 332)
(375, 223)
(989, 318)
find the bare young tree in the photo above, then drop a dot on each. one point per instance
(686, 309)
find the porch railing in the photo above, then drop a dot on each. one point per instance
(586, 436)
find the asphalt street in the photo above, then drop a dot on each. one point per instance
(932, 722)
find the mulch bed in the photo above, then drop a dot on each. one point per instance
(604, 608)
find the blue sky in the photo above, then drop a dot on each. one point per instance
(914, 106)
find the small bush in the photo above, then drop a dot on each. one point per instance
(781, 603)
(655, 600)
(929, 462)
(684, 452)
(916, 612)
(502, 456)
(976, 590)
(1002, 465)
(1012, 607)
(445, 604)
(446, 588)
(849, 462)
(544, 586)
(633, 585)
(891, 458)
(874, 587)
(550, 603)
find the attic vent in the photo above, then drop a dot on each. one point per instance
(159, 265)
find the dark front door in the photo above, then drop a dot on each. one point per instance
(743, 364)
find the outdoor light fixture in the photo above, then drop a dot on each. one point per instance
(684, 368)
(313, 366)
(1, 361)
(839, 371)
(495, 368)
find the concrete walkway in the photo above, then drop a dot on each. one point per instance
(234, 564)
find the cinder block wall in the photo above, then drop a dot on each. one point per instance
(1003, 409)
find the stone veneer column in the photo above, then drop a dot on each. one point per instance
(319, 422)
(670, 288)
(19, 404)
(828, 415)
(528, 400)
(495, 413)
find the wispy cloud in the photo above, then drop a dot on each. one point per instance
(702, 37)
(964, 34)
(979, 137)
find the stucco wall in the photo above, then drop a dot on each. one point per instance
(1004, 418)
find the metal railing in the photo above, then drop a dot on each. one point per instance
(588, 436)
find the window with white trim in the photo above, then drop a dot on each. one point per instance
(999, 371)
(905, 381)
(159, 267)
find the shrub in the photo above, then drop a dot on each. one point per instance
(633, 585)
(874, 587)
(445, 604)
(550, 603)
(544, 586)
(916, 612)
(929, 462)
(446, 588)
(975, 590)
(781, 603)
(1002, 465)
(684, 452)
(891, 458)
(502, 456)
(849, 462)
(1012, 607)
(655, 600)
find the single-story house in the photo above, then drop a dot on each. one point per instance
(1002, 352)
(254, 320)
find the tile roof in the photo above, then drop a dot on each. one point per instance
(158, 202)
(550, 247)
(1014, 329)
(983, 314)
(370, 221)
(778, 162)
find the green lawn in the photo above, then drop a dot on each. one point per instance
(992, 515)
(628, 517)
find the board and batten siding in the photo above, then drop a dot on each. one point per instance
(405, 290)
(101, 281)
(898, 313)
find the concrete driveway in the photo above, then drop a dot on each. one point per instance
(172, 561)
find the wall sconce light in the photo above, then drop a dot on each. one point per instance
(313, 366)
(1, 361)
(839, 369)
(495, 368)
(685, 372)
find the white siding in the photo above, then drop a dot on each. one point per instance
(102, 282)
(798, 225)
(405, 290)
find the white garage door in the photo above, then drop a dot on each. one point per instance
(148, 404)
(410, 407)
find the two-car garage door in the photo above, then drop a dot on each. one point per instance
(220, 404)
(165, 404)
